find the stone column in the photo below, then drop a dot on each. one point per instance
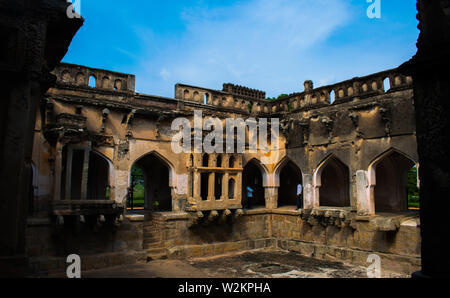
(211, 188)
(68, 185)
(365, 200)
(85, 174)
(271, 196)
(225, 187)
(58, 172)
(238, 189)
(197, 186)
(310, 192)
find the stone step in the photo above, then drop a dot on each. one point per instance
(152, 236)
(148, 245)
(156, 254)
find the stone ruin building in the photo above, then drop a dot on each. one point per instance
(67, 190)
(352, 157)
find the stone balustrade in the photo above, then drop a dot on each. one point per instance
(243, 102)
(356, 88)
(81, 76)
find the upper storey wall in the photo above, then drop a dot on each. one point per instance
(77, 75)
(233, 98)
(359, 87)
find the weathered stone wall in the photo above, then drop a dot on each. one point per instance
(399, 249)
(365, 124)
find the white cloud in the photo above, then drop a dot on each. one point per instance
(262, 44)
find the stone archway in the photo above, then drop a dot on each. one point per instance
(290, 177)
(332, 183)
(156, 172)
(388, 181)
(253, 177)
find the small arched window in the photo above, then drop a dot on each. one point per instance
(219, 161)
(231, 186)
(231, 162)
(205, 162)
(92, 82)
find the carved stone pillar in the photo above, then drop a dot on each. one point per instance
(365, 199)
(225, 189)
(271, 196)
(197, 185)
(58, 172)
(68, 185)
(85, 174)
(310, 192)
(211, 186)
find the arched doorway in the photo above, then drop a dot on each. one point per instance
(85, 174)
(395, 186)
(150, 184)
(290, 179)
(333, 180)
(252, 177)
(98, 177)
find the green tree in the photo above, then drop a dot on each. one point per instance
(413, 190)
(281, 96)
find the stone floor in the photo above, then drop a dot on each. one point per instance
(255, 264)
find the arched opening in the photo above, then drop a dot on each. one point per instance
(106, 83)
(186, 94)
(387, 84)
(79, 184)
(206, 99)
(231, 186)
(334, 184)
(218, 186)
(205, 161)
(252, 186)
(395, 183)
(290, 180)
(204, 186)
(92, 82)
(231, 162)
(332, 97)
(219, 161)
(98, 178)
(150, 182)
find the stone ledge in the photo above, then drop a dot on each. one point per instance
(56, 266)
(392, 262)
(135, 217)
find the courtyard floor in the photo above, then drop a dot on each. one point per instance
(254, 264)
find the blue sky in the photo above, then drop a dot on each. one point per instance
(271, 45)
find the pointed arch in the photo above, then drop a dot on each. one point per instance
(288, 176)
(279, 167)
(110, 165)
(163, 159)
(264, 170)
(254, 177)
(99, 176)
(331, 183)
(379, 158)
(387, 178)
(158, 181)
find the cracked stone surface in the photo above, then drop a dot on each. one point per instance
(256, 264)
